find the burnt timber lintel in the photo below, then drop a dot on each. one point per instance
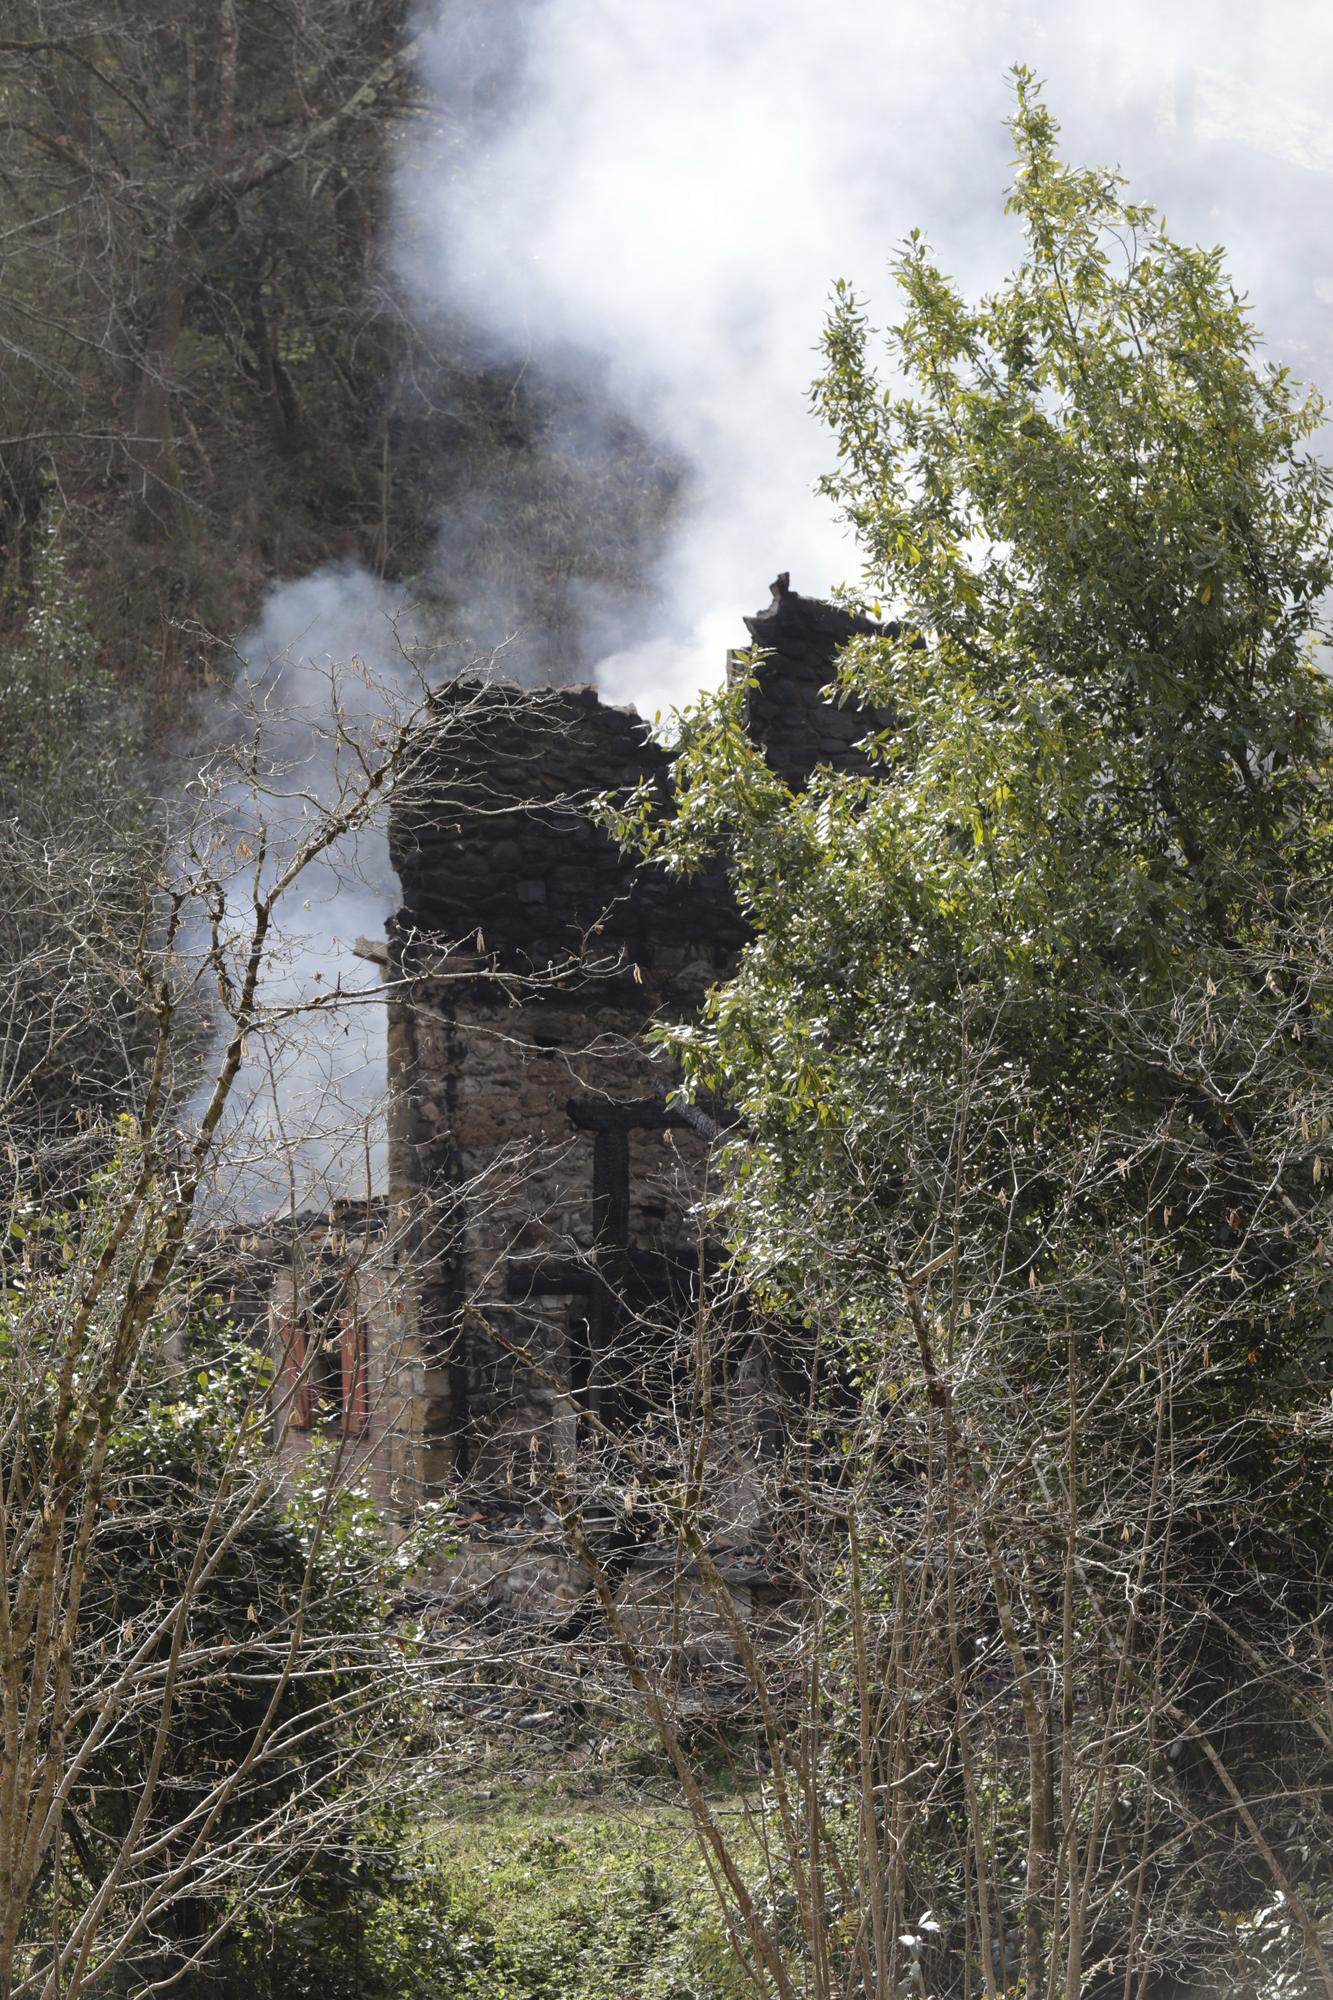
(648, 1114)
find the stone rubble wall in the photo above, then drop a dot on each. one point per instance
(788, 711)
(529, 962)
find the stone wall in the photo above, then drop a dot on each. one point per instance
(531, 963)
(544, 1191)
(787, 709)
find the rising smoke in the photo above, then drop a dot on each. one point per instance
(639, 209)
(668, 188)
(332, 653)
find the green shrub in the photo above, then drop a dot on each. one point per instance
(556, 1905)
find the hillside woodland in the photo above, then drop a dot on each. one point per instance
(214, 378)
(1027, 1072)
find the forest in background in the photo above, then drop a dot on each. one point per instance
(214, 379)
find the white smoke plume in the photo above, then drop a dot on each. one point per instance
(331, 653)
(668, 189)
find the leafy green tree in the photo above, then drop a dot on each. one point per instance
(1032, 1048)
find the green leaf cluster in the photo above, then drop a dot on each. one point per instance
(1093, 854)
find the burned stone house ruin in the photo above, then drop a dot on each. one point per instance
(539, 1249)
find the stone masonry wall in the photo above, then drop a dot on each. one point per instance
(529, 961)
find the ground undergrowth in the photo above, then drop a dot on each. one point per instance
(543, 1884)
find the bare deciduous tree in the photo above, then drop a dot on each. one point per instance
(198, 1695)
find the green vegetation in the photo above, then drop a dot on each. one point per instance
(74, 875)
(1032, 1050)
(545, 1901)
(213, 1633)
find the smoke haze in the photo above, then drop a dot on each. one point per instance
(306, 1115)
(667, 189)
